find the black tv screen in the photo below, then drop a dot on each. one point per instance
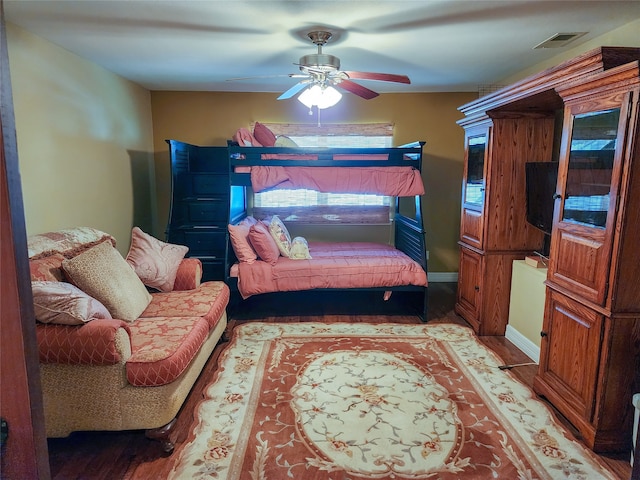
(541, 179)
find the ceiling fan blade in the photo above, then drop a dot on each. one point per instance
(384, 77)
(359, 90)
(289, 75)
(293, 90)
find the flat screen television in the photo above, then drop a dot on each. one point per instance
(541, 179)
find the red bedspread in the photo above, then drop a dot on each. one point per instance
(334, 265)
(394, 181)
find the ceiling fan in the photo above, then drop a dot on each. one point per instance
(324, 71)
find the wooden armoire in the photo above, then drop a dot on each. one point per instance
(584, 115)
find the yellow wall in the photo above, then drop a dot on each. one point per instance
(210, 118)
(526, 301)
(92, 151)
(84, 141)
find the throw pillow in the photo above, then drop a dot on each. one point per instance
(280, 235)
(68, 242)
(263, 243)
(245, 138)
(63, 303)
(299, 249)
(264, 135)
(284, 141)
(155, 262)
(103, 274)
(47, 268)
(239, 235)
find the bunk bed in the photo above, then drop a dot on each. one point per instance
(384, 268)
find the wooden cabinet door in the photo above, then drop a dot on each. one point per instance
(471, 227)
(590, 169)
(570, 353)
(473, 186)
(469, 293)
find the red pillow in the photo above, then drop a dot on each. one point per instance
(263, 243)
(265, 136)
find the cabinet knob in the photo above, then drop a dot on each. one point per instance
(543, 334)
(476, 288)
(556, 196)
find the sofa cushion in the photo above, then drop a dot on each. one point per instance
(154, 261)
(105, 275)
(65, 304)
(163, 347)
(100, 342)
(208, 301)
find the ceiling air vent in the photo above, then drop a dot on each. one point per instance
(560, 40)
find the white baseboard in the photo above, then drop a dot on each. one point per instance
(443, 277)
(529, 348)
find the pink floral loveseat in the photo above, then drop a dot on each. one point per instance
(116, 354)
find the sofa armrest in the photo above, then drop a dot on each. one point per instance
(99, 342)
(189, 274)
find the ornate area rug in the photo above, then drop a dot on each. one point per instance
(373, 401)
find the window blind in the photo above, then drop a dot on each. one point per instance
(309, 206)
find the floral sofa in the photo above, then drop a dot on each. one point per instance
(115, 352)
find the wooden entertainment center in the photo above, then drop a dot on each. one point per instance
(584, 114)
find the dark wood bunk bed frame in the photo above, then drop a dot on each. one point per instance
(409, 233)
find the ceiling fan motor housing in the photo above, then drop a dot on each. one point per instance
(320, 61)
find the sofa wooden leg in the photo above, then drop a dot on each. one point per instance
(162, 434)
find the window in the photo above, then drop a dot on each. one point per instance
(309, 206)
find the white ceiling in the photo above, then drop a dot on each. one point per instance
(442, 45)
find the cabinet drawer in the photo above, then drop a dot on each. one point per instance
(206, 243)
(209, 159)
(206, 184)
(206, 211)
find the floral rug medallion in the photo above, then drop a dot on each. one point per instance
(373, 401)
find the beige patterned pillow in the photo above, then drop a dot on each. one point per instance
(103, 274)
(299, 249)
(284, 141)
(281, 235)
(63, 303)
(155, 262)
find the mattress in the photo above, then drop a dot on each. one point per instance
(340, 265)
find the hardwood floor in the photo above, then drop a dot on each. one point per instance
(130, 455)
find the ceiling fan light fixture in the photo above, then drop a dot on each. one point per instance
(319, 61)
(322, 97)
